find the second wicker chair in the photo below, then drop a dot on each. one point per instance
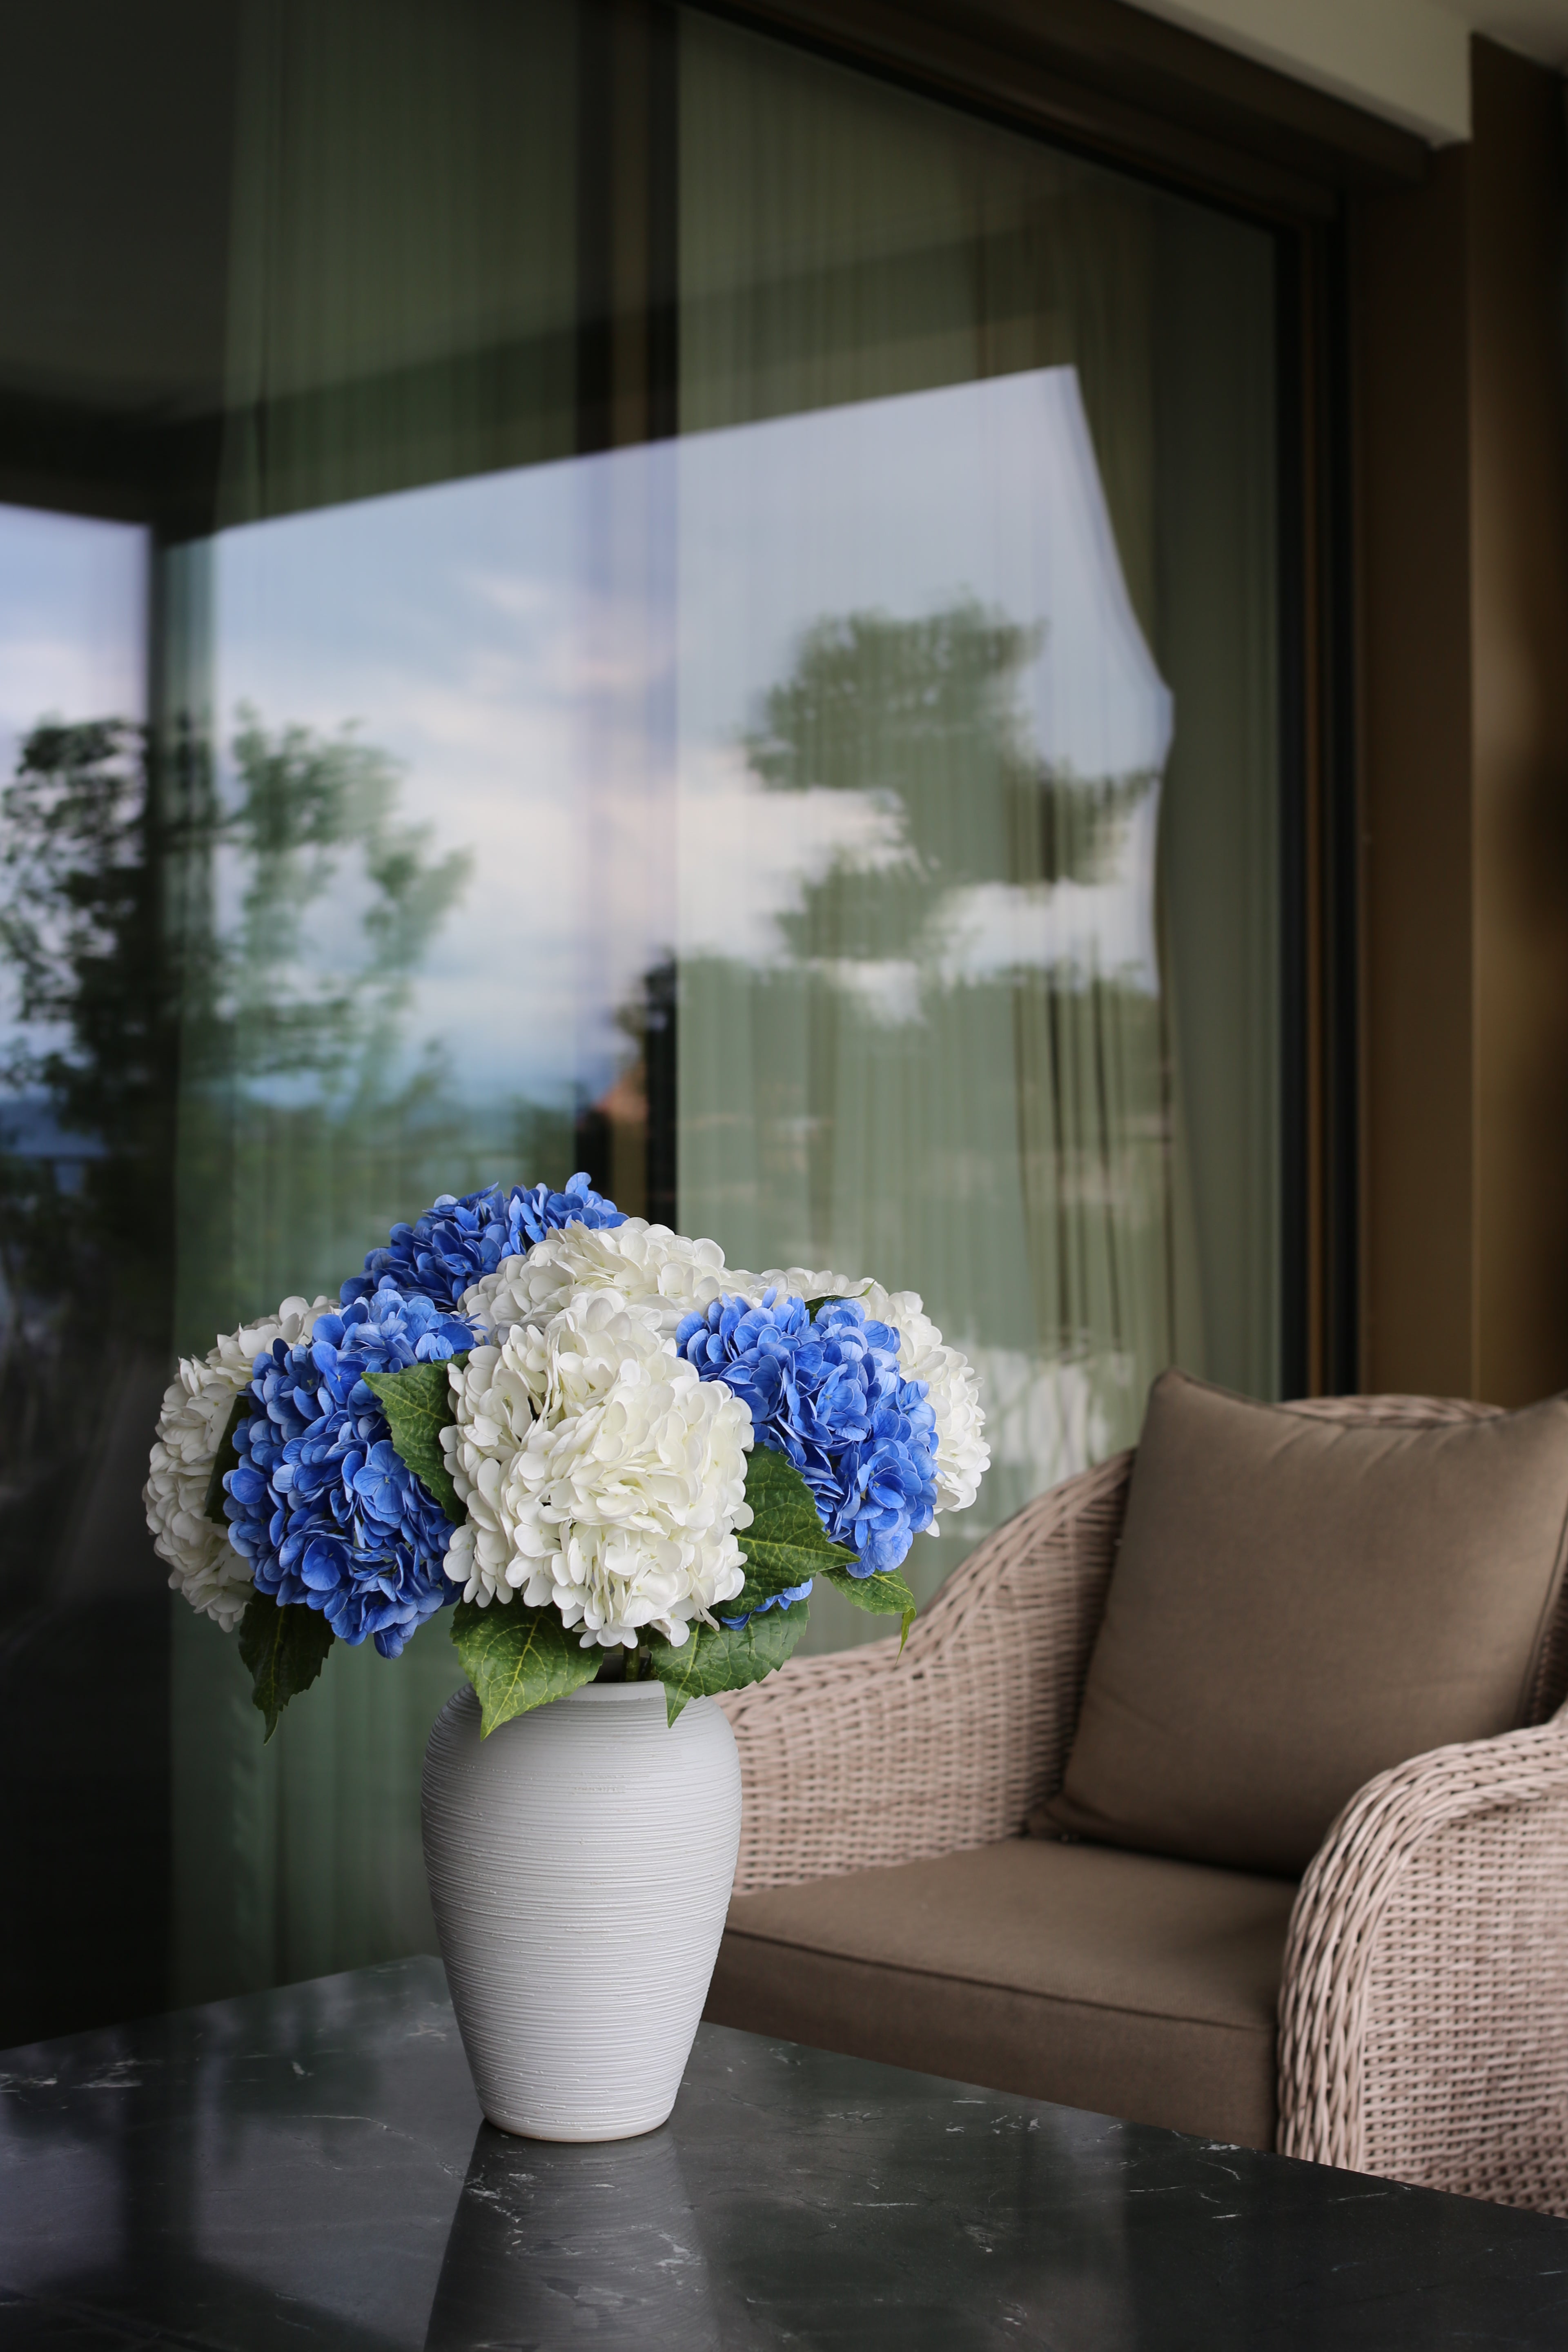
(1408, 2000)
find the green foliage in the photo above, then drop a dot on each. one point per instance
(312, 811)
(284, 1648)
(517, 1658)
(91, 1052)
(882, 703)
(79, 928)
(299, 1065)
(418, 1406)
(128, 984)
(784, 1544)
(884, 1596)
(714, 1658)
(227, 1458)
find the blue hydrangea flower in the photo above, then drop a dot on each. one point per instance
(533, 1215)
(784, 1600)
(456, 1242)
(321, 1505)
(829, 1396)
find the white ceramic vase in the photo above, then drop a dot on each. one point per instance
(581, 1860)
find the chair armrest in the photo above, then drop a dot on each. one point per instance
(864, 1759)
(1424, 2012)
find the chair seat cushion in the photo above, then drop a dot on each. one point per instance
(1119, 1982)
(1298, 1604)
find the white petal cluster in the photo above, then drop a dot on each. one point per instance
(963, 1456)
(953, 1392)
(204, 1565)
(597, 1470)
(646, 1265)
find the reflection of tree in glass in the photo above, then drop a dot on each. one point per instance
(84, 1209)
(958, 1075)
(927, 714)
(110, 1004)
(309, 816)
(309, 1121)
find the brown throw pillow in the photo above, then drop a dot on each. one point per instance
(1298, 1604)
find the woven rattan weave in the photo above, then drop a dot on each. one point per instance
(1424, 2010)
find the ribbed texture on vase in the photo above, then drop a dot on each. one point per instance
(581, 1860)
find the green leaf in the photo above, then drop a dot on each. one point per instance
(885, 1596)
(517, 1658)
(226, 1458)
(284, 1648)
(714, 1658)
(785, 1543)
(814, 1307)
(418, 1407)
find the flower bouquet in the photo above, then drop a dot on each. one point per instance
(622, 1464)
(614, 1453)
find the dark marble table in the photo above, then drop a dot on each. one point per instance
(307, 2167)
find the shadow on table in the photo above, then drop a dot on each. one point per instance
(549, 2242)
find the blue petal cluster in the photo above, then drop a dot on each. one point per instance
(829, 1396)
(456, 1242)
(321, 1505)
(784, 1600)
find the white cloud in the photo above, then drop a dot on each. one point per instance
(748, 854)
(1052, 1420)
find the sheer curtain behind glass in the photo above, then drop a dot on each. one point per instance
(952, 623)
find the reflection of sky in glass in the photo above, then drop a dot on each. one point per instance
(563, 659)
(72, 597)
(72, 634)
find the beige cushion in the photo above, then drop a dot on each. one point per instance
(1113, 1981)
(1298, 1604)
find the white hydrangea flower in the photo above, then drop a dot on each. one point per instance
(963, 1456)
(646, 1265)
(801, 1282)
(597, 1472)
(204, 1565)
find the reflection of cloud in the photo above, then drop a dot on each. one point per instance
(515, 595)
(1052, 1420)
(72, 593)
(53, 676)
(1077, 932)
(752, 853)
(886, 989)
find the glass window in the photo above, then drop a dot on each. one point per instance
(709, 620)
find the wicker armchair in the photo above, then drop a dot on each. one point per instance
(1424, 2009)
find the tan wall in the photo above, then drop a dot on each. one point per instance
(1405, 59)
(1462, 303)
